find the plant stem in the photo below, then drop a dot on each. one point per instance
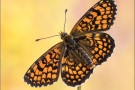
(79, 88)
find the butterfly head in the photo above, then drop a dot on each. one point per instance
(63, 34)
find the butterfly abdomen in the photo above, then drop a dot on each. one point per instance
(84, 56)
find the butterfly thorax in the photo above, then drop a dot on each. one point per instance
(68, 39)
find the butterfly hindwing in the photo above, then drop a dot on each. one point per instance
(98, 18)
(74, 70)
(98, 46)
(45, 70)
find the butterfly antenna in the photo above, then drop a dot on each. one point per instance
(55, 35)
(65, 19)
(46, 37)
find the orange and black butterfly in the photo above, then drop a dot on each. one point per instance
(80, 52)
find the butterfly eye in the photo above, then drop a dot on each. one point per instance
(63, 35)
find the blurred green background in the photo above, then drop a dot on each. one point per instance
(23, 21)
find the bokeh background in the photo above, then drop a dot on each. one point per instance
(23, 21)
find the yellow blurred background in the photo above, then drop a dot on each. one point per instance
(23, 21)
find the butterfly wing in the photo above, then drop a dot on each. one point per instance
(74, 71)
(45, 70)
(98, 18)
(98, 46)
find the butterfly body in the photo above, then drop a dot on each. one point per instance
(72, 45)
(80, 52)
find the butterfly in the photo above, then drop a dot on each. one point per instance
(79, 52)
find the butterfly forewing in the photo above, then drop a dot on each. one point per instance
(98, 18)
(45, 70)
